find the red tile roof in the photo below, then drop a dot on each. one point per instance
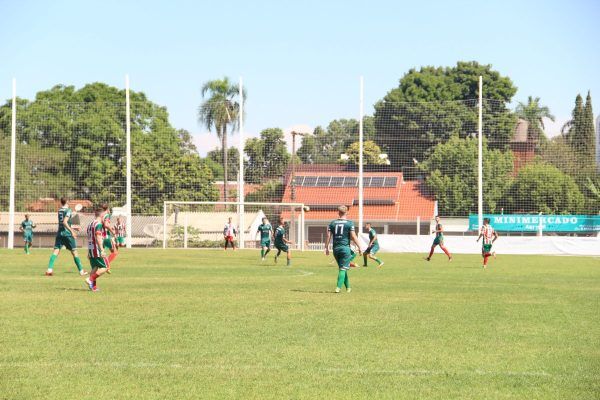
(407, 200)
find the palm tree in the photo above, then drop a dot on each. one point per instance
(220, 110)
(534, 113)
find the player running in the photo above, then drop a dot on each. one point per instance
(343, 234)
(281, 243)
(121, 231)
(229, 233)
(372, 248)
(439, 240)
(109, 235)
(266, 232)
(65, 237)
(96, 254)
(489, 236)
(27, 227)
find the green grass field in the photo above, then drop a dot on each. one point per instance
(203, 324)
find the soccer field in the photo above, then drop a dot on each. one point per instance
(181, 324)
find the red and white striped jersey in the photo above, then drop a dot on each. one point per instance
(121, 229)
(93, 229)
(488, 234)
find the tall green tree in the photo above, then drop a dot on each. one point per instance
(432, 104)
(220, 111)
(214, 159)
(267, 156)
(372, 154)
(534, 113)
(451, 170)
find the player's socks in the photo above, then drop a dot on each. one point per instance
(378, 261)
(431, 252)
(78, 264)
(347, 282)
(365, 260)
(485, 260)
(51, 262)
(112, 256)
(341, 278)
(289, 262)
(445, 250)
(26, 248)
(262, 253)
(267, 252)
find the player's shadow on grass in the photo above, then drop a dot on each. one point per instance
(312, 291)
(74, 289)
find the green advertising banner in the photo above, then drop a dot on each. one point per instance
(533, 222)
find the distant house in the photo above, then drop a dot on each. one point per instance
(390, 203)
(522, 146)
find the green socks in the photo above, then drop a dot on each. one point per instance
(78, 263)
(267, 252)
(289, 262)
(26, 248)
(365, 258)
(343, 279)
(378, 261)
(262, 253)
(52, 259)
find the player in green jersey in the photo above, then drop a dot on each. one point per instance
(27, 227)
(266, 232)
(281, 243)
(438, 240)
(373, 247)
(342, 232)
(65, 237)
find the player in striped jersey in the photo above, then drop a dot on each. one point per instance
(109, 235)
(96, 255)
(121, 231)
(489, 236)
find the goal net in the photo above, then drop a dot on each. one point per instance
(202, 224)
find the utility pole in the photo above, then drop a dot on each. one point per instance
(294, 134)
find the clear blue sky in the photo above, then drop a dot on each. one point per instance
(300, 60)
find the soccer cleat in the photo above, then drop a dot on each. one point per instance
(83, 273)
(337, 289)
(449, 259)
(380, 265)
(89, 283)
(348, 290)
(108, 271)
(365, 266)
(48, 273)
(95, 289)
(427, 259)
(262, 259)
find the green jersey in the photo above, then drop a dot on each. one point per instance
(341, 230)
(265, 231)
(438, 233)
(279, 235)
(27, 226)
(64, 212)
(105, 223)
(373, 234)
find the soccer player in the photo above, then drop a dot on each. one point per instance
(121, 231)
(27, 227)
(438, 240)
(373, 247)
(65, 237)
(489, 236)
(343, 234)
(96, 254)
(229, 232)
(281, 243)
(109, 235)
(266, 231)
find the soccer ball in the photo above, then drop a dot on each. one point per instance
(306, 208)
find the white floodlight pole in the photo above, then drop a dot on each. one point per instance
(241, 199)
(128, 160)
(360, 158)
(480, 156)
(13, 153)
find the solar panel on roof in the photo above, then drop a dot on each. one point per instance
(390, 181)
(337, 181)
(309, 181)
(377, 181)
(323, 181)
(350, 181)
(366, 181)
(298, 180)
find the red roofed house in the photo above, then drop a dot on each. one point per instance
(391, 204)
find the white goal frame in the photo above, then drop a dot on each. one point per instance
(240, 206)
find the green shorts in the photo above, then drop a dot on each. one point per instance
(372, 250)
(487, 248)
(108, 243)
(343, 257)
(121, 240)
(438, 241)
(67, 241)
(282, 247)
(265, 243)
(98, 262)
(28, 237)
